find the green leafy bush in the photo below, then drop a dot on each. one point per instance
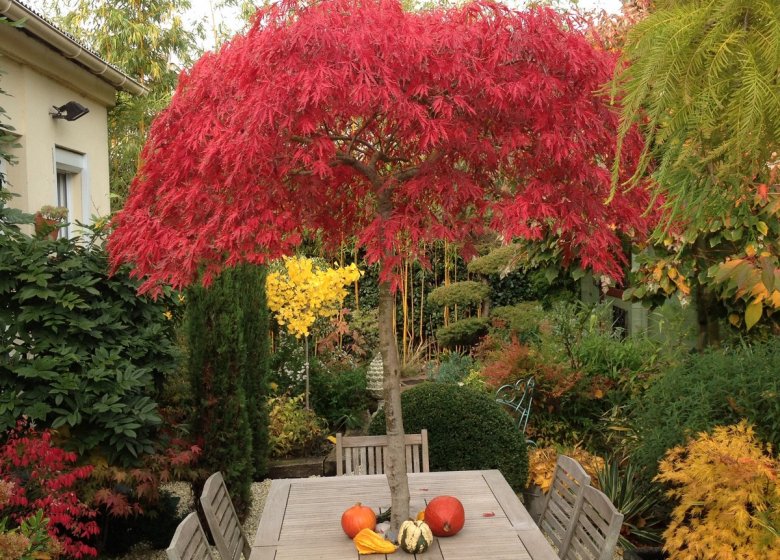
(465, 332)
(522, 320)
(467, 430)
(293, 430)
(707, 390)
(79, 349)
(288, 365)
(454, 367)
(637, 499)
(339, 396)
(519, 286)
(29, 541)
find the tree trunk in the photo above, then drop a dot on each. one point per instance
(396, 457)
(707, 314)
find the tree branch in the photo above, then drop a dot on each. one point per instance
(366, 170)
(412, 172)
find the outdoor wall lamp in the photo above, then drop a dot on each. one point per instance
(70, 111)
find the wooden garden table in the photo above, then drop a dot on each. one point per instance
(302, 518)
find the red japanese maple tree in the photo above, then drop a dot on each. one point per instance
(356, 118)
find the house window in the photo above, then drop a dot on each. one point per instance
(64, 198)
(72, 186)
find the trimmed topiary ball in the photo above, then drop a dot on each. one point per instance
(467, 430)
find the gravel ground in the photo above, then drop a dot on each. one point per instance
(184, 492)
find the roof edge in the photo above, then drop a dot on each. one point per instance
(70, 48)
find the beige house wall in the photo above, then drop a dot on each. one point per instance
(37, 78)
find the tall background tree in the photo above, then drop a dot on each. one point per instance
(147, 39)
(356, 118)
(701, 80)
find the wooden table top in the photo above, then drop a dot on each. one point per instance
(302, 518)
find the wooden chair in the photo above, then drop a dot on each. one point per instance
(189, 541)
(596, 528)
(562, 502)
(366, 454)
(223, 520)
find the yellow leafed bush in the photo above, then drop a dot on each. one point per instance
(302, 293)
(726, 488)
(541, 465)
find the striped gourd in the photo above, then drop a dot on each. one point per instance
(414, 536)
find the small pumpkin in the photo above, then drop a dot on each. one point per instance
(414, 537)
(369, 542)
(445, 516)
(356, 518)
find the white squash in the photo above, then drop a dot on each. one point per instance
(414, 536)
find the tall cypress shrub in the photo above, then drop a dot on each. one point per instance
(251, 291)
(226, 373)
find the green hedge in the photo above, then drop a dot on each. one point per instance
(466, 430)
(707, 390)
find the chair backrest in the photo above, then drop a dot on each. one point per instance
(223, 520)
(367, 454)
(563, 500)
(189, 541)
(596, 528)
(518, 398)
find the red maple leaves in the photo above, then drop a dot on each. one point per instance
(355, 118)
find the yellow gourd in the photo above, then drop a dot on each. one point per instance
(369, 542)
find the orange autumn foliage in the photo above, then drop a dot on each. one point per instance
(728, 497)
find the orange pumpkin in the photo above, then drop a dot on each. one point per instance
(357, 518)
(445, 516)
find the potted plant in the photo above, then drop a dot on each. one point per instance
(49, 219)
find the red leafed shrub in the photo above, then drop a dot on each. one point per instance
(508, 361)
(123, 492)
(44, 477)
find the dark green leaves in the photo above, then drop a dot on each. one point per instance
(80, 351)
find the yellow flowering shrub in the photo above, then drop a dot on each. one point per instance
(541, 465)
(728, 497)
(303, 292)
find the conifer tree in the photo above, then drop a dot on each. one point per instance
(227, 385)
(250, 291)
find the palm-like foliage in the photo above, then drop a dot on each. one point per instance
(702, 79)
(636, 499)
